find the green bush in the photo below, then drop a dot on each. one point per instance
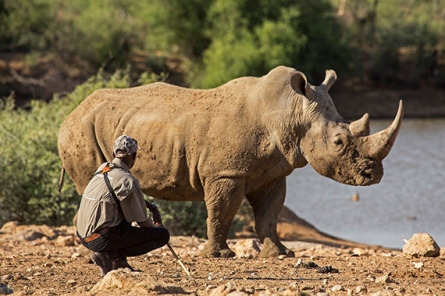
(31, 165)
(30, 162)
(84, 35)
(251, 42)
(189, 218)
(183, 217)
(26, 24)
(211, 42)
(410, 39)
(399, 41)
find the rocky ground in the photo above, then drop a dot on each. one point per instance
(41, 260)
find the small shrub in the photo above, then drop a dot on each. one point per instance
(30, 162)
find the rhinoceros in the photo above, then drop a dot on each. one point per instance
(219, 145)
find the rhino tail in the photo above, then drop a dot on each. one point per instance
(62, 177)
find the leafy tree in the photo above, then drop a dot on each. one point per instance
(187, 20)
(30, 166)
(30, 163)
(183, 218)
(399, 41)
(25, 22)
(189, 218)
(249, 41)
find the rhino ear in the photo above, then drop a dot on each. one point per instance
(329, 80)
(299, 83)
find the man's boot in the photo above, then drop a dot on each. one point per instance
(122, 263)
(101, 260)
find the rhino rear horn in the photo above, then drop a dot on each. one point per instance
(379, 144)
(360, 127)
(329, 80)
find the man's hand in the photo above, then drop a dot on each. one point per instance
(147, 223)
(157, 217)
(155, 211)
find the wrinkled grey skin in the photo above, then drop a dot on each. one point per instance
(220, 145)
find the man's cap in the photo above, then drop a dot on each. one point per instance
(125, 145)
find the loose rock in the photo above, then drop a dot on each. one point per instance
(337, 288)
(359, 251)
(4, 289)
(383, 279)
(246, 248)
(64, 241)
(327, 269)
(360, 289)
(421, 245)
(225, 290)
(7, 277)
(384, 293)
(308, 265)
(137, 282)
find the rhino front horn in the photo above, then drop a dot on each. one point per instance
(379, 144)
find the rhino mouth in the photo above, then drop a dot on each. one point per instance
(367, 176)
(365, 179)
(362, 179)
(369, 172)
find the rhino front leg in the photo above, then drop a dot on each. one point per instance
(223, 198)
(267, 205)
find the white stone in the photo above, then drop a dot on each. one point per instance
(382, 279)
(293, 286)
(7, 277)
(64, 241)
(384, 293)
(337, 288)
(225, 290)
(360, 289)
(125, 282)
(246, 247)
(359, 251)
(421, 245)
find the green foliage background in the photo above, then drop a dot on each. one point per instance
(197, 43)
(29, 163)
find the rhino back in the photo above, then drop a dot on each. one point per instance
(186, 136)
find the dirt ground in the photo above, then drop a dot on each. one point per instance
(40, 260)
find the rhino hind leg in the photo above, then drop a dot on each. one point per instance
(223, 198)
(266, 206)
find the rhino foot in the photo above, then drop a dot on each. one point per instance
(217, 252)
(272, 250)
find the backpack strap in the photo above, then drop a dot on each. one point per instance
(104, 172)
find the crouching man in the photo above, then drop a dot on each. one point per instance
(111, 201)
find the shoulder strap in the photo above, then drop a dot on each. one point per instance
(104, 172)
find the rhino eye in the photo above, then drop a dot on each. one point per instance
(338, 142)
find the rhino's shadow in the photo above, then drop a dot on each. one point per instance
(292, 228)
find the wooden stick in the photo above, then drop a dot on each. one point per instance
(179, 261)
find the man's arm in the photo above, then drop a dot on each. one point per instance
(147, 223)
(155, 211)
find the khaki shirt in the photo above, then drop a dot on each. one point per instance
(97, 207)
